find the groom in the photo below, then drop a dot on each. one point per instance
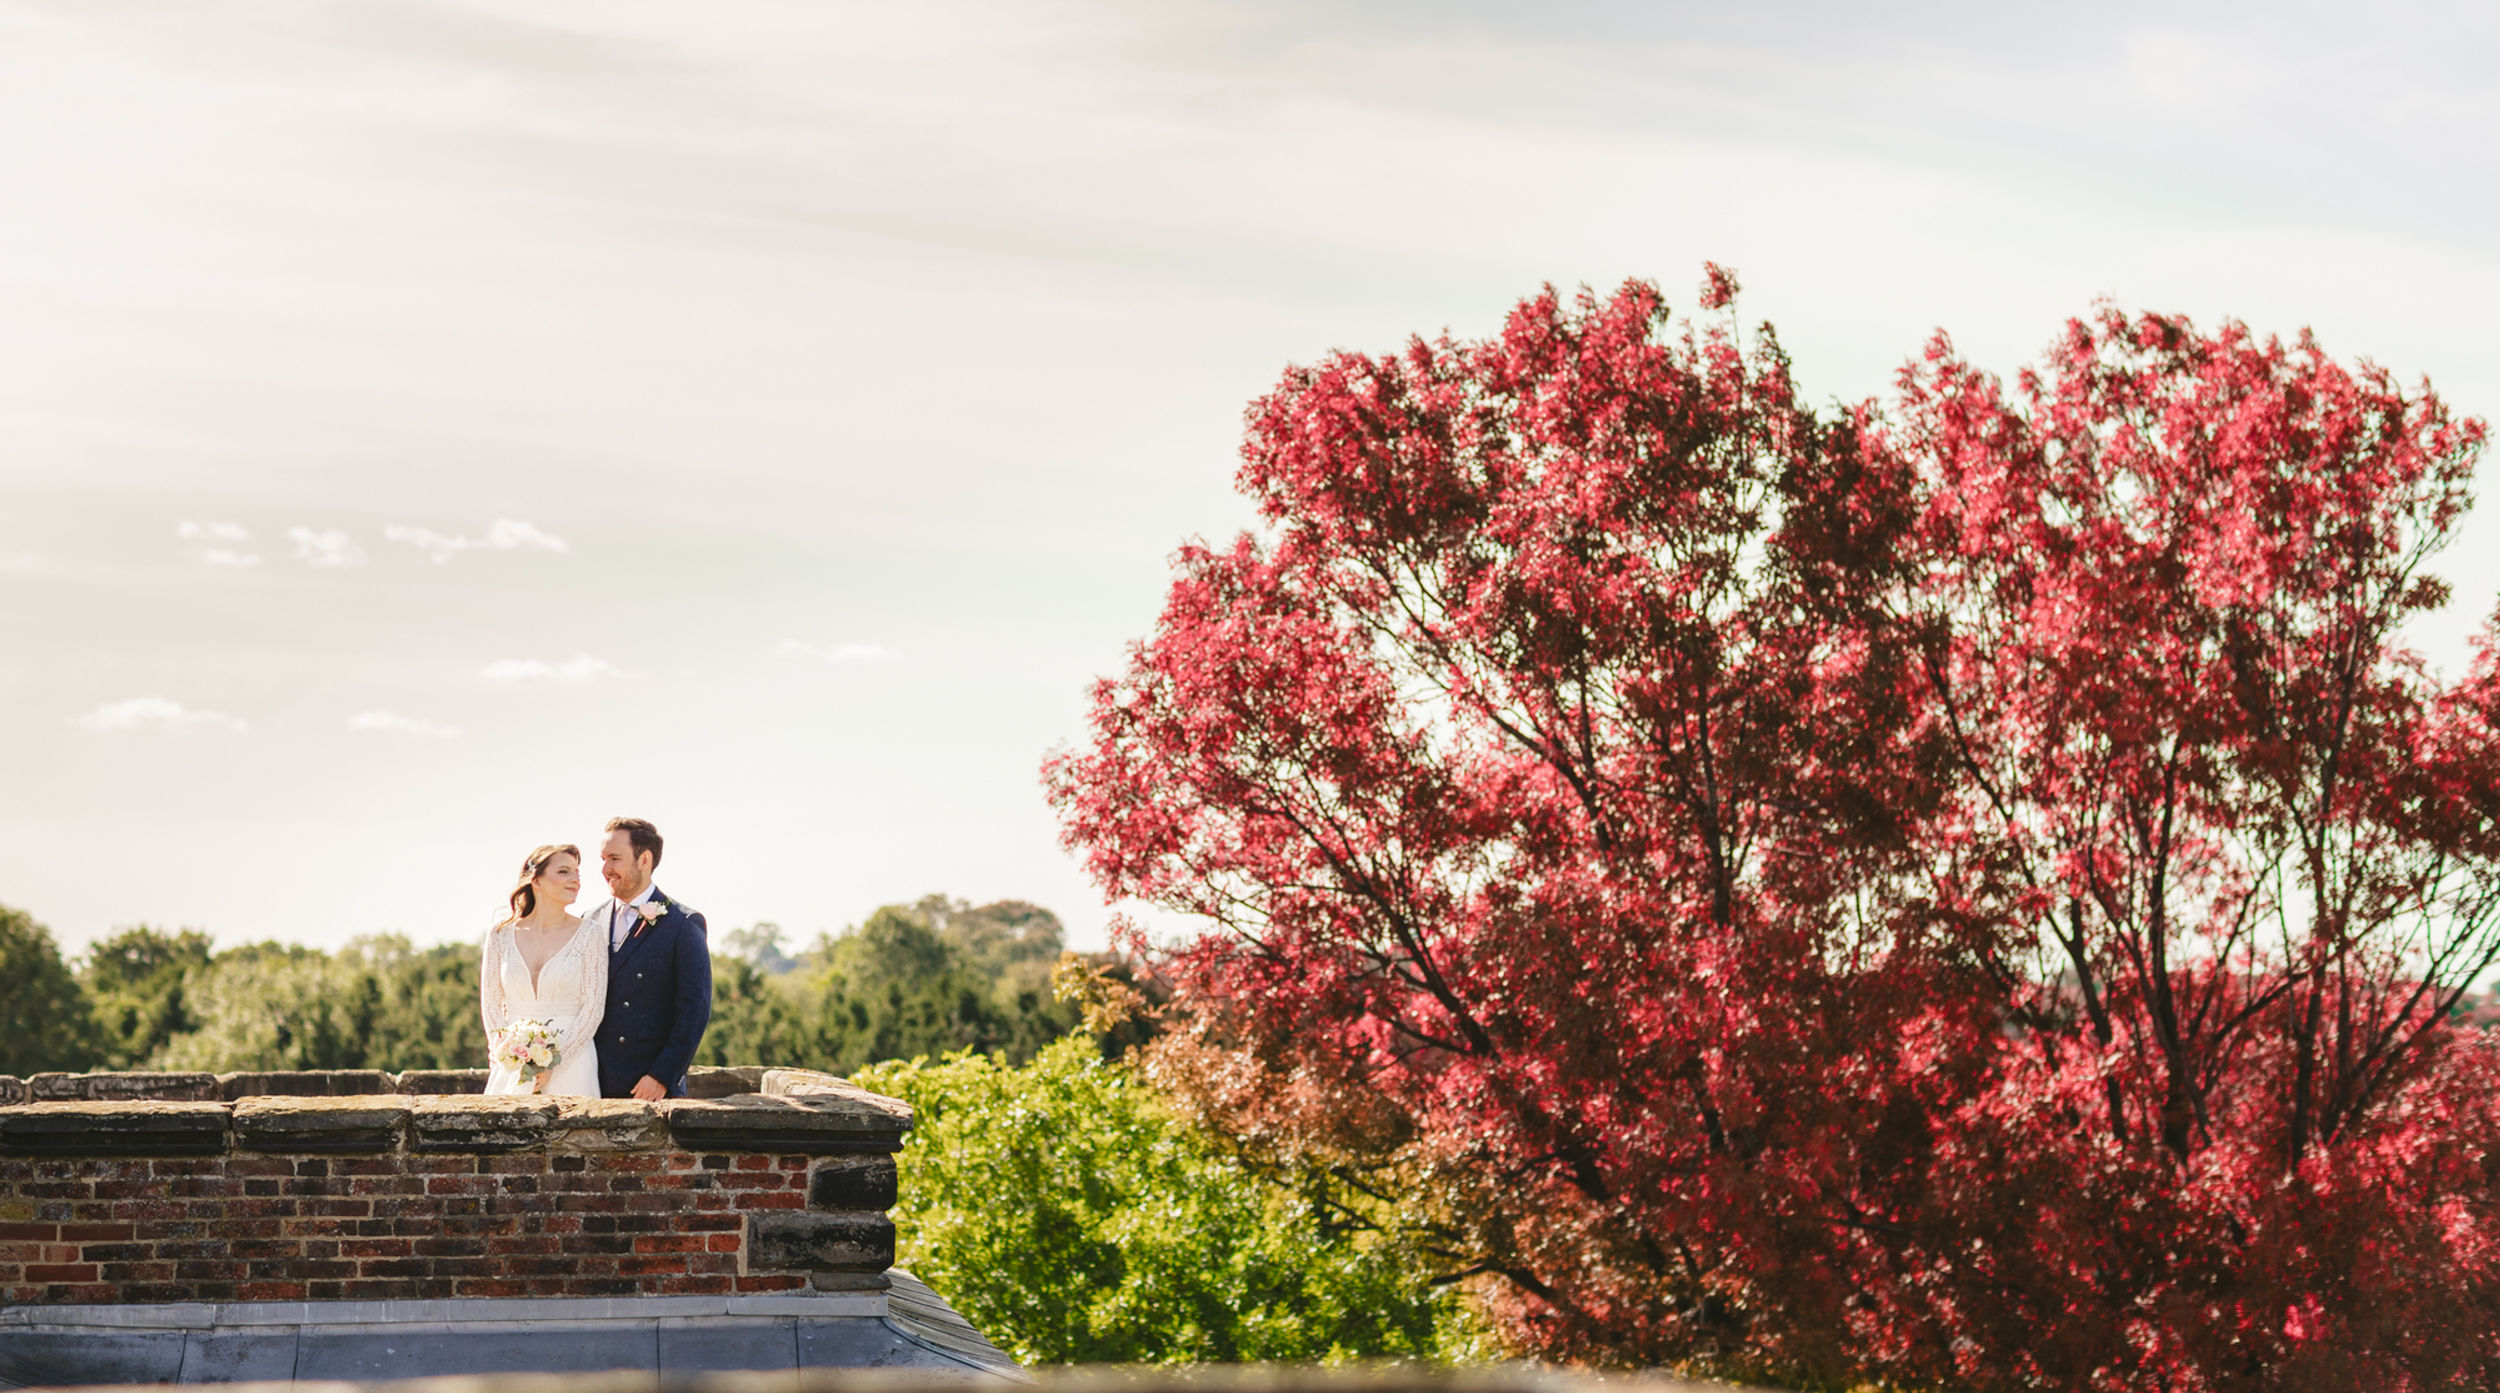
(659, 972)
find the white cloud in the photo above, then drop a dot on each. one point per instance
(503, 534)
(153, 713)
(227, 538)
(581, 667)
(325, 549)
(835, 654)
(393, 723)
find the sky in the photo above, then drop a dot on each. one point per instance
(429, 429)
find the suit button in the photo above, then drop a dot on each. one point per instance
(624, 1003)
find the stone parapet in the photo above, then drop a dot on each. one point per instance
(315, 1187)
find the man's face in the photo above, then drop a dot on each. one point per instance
(626, 872)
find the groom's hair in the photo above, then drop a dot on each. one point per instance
(643, 835)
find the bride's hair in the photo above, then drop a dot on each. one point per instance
(524, 896)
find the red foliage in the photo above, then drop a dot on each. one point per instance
(1978, 894)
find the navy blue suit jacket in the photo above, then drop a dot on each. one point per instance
(659, 1001)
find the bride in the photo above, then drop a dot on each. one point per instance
(541, 965)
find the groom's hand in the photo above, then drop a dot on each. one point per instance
(650, 1090)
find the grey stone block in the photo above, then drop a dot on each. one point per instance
(238, 1356)
(799, 1240)
(114, 1088)
(113, 1129)
(815, 1125)
(436, 1351)
(13, 1091)
(853, 1182)
(727, 1346)
(439, 1081)
(714, 1081)
(781, 1083)
(341, 1124)
(305, 1083)
(504, 1123)
(609, 1124)
(55, 1359)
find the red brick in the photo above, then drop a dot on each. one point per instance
(61, 1272)
(721, 1243)
(99, 1232)
(668, 1243)
(270, 1291)
(46, 1231)
(493, 1287)
(599, 1286)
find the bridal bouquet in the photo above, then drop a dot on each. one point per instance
(528, 1048)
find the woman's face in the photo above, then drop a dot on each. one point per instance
(560, 880)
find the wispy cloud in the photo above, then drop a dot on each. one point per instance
(833, 654)
(154, 713)
(392, 723)
(217, 543)
(503, 534)
(327, 550)
(581, 667)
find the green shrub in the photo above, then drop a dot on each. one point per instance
(1071, 1215)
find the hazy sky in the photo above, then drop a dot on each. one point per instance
(428, 429)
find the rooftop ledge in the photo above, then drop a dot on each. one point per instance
(748, 1110)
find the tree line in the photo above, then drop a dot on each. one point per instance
(926, 978)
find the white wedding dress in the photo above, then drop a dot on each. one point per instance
(570, 994)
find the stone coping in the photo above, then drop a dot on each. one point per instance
(702, 1081)
(465, 1312)
(793, 1111)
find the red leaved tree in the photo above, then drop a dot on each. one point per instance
(1735, 881)
(2245, 849)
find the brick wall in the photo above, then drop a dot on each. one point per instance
(299, 1196)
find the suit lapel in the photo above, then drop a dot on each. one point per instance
(636, 932)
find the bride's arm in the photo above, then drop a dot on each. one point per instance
(591, 1003)
(490, 1001)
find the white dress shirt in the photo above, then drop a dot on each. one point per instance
(620, 922)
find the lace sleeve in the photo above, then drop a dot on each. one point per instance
(490, 1000)
(590, 1003)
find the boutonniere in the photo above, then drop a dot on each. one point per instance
(650, 910)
